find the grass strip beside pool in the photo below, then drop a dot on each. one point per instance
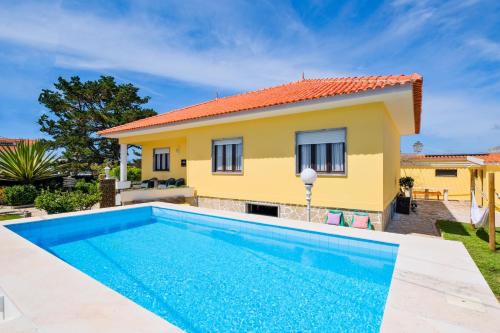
(476, 242)
(9, 217)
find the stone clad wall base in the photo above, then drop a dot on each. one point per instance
(108, 189)
(287, 211)
(387, 214)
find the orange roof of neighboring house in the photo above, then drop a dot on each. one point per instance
(491, 158)
(303, 90)
(487, 158)
(8, 142)
(441, 156)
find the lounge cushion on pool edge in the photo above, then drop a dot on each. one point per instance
(360, 221)
(333, 218)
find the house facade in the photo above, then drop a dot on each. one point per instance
(10, 143)
(245, 152)
(452, 176)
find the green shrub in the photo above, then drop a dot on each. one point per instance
(86, 187)
(3, 199)
(86, 200)
(20, 195)
(56, 202)
(63, 202)
(406, 183)
(133, 173)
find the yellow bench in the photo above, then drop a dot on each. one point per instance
(426, 194)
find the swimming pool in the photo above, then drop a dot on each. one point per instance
(210, 274)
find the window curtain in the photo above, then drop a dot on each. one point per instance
(160, 163)
(239, 156)
(321, 158)
(156, 162)
(305, 151)
(229, 157)
(338, 157)
(219, 157)
(166, 158)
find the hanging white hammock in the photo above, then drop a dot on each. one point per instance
(479, 216)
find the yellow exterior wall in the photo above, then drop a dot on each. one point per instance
(480, 182)
(392, 160)
(458, 187)
(496, 170)
(269, 172)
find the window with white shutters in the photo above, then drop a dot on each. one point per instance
(323, 151)
(161, 159)
(227, 155)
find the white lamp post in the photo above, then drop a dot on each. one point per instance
(106, 172)
(308, 176)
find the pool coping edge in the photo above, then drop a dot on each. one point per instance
(436, 286)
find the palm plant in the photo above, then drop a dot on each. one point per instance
(27, 162)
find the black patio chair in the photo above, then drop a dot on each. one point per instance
(148, 183)
(170, 182)
(180, 182)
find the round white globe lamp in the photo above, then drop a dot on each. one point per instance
(106, 171)
(308, 177)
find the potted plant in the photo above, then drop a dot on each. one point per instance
(403, 201)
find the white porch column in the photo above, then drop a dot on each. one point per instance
(123, 162)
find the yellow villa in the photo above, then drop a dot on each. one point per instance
(452, 176)
(245, 152)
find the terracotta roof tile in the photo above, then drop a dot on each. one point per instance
(487, 158)
(442, 156)
(491, 158)
(8, 143)
(284, 94)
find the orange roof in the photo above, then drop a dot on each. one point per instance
(12, 142)
(487, 158)
(491, 158)
(294, 92)
(442, 156)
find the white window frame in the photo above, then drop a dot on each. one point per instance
(320, 174)
(168, 153)
(222, 142)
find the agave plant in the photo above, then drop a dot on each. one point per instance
(27, 162)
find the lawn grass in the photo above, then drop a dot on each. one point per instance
(476, 242)
(9, 217)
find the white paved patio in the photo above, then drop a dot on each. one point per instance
(428, 212)
(9, 210)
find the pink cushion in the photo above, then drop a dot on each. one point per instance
(333, 218)
(360, 221)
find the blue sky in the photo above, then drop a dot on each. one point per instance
(184, 52)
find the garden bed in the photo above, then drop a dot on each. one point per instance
(476, 242)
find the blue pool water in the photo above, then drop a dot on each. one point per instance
(210, 274)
